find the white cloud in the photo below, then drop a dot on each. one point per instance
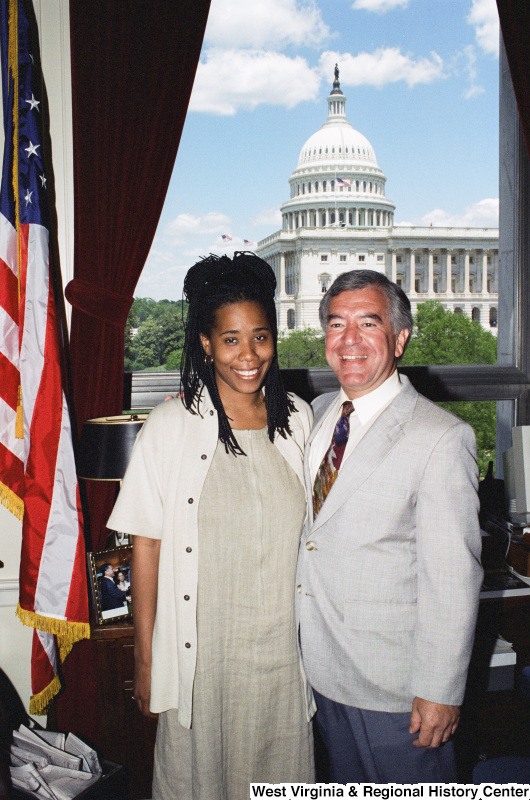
(383, 66)
(264, 24)
(484, 214)
(484, 17)
(379, 6)
(187, 225)
(268, 216)
(232, 79)
(474, 88)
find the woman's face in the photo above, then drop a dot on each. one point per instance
(121, 577)
(241, 347)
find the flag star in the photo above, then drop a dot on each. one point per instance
(43, 181)
(33, 103)
(32, 149)
(28, 197)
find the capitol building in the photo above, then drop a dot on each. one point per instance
(338, 219)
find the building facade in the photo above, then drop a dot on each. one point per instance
(338, 219)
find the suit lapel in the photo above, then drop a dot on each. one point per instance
(370, 452)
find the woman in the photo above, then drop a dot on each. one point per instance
(215, 501)
(121, 582)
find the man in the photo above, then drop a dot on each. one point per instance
(111, 596)
(389, 570)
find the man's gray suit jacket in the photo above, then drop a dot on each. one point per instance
(389, 573)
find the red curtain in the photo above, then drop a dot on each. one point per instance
(133, 66)
(514, 17)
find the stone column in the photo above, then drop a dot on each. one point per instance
(466, 273)
(412, 290)
(393, 275)
(430, 288)
(448, 273)
(282, 275)
(485, 274)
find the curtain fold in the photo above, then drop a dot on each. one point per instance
(514, 16)
(133, 67)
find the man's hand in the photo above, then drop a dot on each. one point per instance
(435, 722)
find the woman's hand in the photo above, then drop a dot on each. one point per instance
(142, 689)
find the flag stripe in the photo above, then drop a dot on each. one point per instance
(7, 431)
(8, 290)
(58, 555)
(8, 245)
(35, 301)
(8, 338)
(10, 380)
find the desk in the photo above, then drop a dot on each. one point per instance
(495, 723)
(127, 736)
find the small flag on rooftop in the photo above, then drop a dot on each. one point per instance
(344, 181)
(249, 242)
(226, 237)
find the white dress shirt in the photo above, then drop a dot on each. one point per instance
(366, 410)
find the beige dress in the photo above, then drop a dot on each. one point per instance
(249, 719)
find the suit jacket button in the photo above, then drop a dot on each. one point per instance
(186, 597)
(188, 645)
(309, 546)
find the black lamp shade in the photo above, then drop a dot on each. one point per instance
(106, 446)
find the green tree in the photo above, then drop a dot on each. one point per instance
(442, 337)
(302, 349)
(158, 334)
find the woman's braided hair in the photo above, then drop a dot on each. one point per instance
(214, 282)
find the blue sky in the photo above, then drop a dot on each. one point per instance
(421, 78)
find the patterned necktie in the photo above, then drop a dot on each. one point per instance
(329, 468)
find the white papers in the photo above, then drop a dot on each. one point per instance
(52, 765)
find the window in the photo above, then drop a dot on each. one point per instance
(342, 258)
(493, 317)
(380, 257)
(475, 314)
(362, 258)
(323, 258)
(399, 259)
(290, 319)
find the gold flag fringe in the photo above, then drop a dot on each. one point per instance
(11, 501)
(68, 633)
(39, 702)
(19, 421)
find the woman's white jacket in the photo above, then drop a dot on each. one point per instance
(159, 499)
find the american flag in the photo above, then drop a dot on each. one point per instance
(226, 238)
(344, 181)
(249, 242)
(38, 480)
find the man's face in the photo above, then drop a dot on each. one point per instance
(361, 346)
(109, 572)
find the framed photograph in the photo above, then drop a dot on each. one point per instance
(110, 583)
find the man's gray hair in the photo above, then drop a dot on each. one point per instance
(398, 302)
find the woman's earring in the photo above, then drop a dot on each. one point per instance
(207, 360)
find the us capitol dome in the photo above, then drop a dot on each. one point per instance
(338, 218)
